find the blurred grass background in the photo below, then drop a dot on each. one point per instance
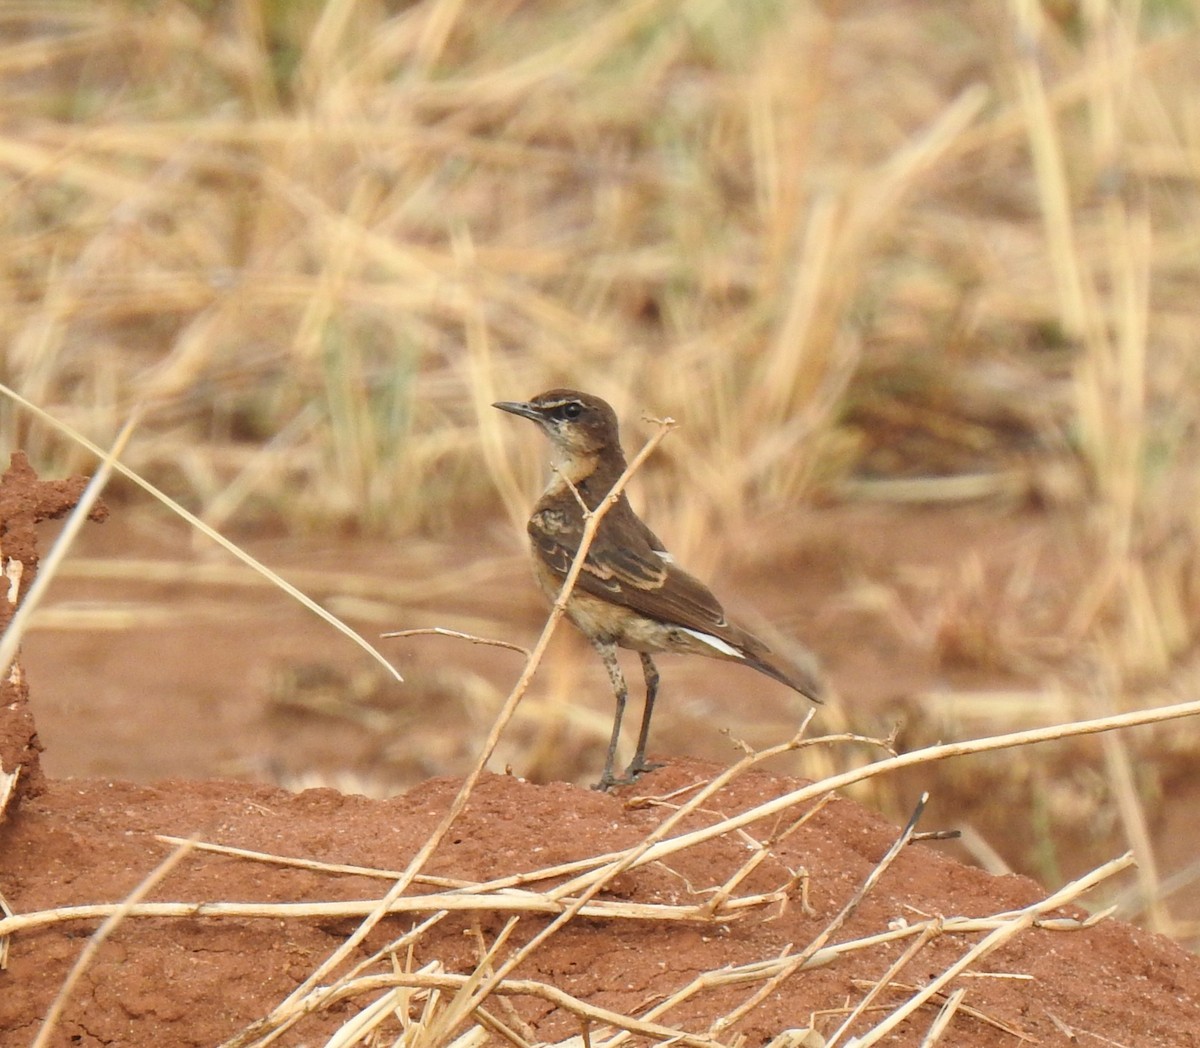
(933, 252)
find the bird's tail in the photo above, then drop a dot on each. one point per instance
(800, 673)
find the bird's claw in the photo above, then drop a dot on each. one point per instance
(634, 772)
(608, 781)
(638, 768)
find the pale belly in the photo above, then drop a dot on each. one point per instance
(599, 620)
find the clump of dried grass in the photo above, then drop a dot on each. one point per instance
(323, 243)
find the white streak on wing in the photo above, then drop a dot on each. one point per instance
(666, 558)
(713, 642)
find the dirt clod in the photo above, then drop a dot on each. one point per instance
(24, 502)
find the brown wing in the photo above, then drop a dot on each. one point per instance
(624, 565)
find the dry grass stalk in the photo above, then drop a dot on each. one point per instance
(974, 1013)
(201, 526)
(5, 911)
(438, 631)
(800, 960)
(1133, 817)
(886, 981)
(48, 567)
(590, 1013)
(942, 1022)
(1009, 927)
(456, 902)
(512, 1028)
(498, 884)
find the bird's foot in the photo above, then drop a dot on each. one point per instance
(608, 781)
(639, 766)
(635, 771)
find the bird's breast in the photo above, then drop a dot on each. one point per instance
(552, 521)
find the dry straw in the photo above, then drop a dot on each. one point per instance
(231, 547)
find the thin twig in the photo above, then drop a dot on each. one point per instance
(439, 631)
(942, 1021)
(884, 982)
(461, 902)
(211, 532)
(843, 915)
(529, 987)
(49, 564)
(1019, 922)
(927, 755)
(966, 1009)
(573, 489)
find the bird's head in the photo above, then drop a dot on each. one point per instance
(577, 424)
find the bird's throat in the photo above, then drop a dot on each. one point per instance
(569, 469)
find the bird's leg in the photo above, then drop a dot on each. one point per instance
(638, 764)
(608, 652)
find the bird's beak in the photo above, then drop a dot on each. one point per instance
(517, 407)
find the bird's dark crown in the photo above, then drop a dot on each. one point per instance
(578, 423)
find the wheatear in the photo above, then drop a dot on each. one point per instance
(629, 593)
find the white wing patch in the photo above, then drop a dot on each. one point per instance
(666, 558)
(713, 642)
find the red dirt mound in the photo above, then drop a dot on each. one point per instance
(25, 501)
(195, 980)
(713, 974)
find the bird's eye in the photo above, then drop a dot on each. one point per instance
(570, 411)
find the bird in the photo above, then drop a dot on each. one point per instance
(629, 593)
